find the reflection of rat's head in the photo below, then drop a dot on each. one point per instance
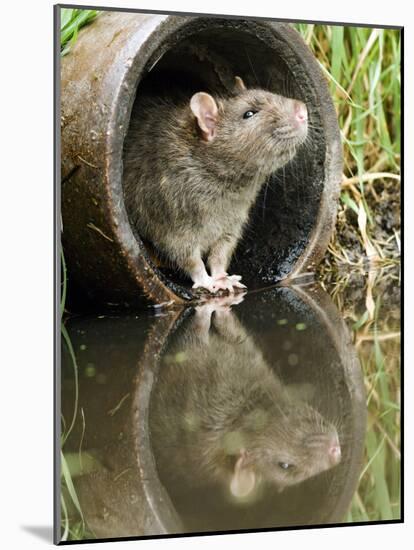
(287, 444)
(259, 129)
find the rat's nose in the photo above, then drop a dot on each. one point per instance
(301, 112)
(334, 451)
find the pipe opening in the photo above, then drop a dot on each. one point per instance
(206, 55)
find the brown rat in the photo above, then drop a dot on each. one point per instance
(218, 413)
(193, 169)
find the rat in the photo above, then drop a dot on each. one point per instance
(219, 413)
(193, 169)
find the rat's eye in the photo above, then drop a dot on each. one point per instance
(249, 114)
(285, 465)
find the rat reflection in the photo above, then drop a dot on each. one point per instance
(220, 415)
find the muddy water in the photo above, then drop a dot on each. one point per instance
(243, 414)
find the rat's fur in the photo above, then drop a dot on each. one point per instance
(189, 193)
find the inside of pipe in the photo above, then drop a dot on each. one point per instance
(285, 213)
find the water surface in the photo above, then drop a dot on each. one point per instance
(279, 409)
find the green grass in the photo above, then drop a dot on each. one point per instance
(378, 495)
(376, 334)
(73, 525)
(362, 67)
(71, 20)
(72, 529)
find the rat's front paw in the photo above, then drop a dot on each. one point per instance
(228, 282)
(206, 282)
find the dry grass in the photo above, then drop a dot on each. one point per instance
(363, 69)
(370, 304)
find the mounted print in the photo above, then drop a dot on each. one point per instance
(228, 274)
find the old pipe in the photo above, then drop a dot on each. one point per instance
(123, 53)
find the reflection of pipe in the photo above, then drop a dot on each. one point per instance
(116, 345)
(314, 302)
(340, 336)
(165, 518)
(99, 80)
(113, 491)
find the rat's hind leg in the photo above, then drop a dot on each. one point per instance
(218, 262)
(194, 266)
(221, 307)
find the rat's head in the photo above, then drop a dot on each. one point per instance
(259, 130)
(293, 445)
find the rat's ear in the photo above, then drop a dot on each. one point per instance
(239, 85)
(205, 110)
(243, 480)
